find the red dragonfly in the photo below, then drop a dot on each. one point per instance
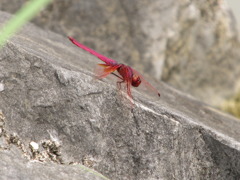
(126, 74)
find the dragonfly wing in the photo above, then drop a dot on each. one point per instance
(100, 56)
(146, 84)
(129, 84)
(126, 73)
(129, 91)
(108, 69)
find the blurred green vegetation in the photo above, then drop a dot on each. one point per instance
(93, 172)
(25, 14)
(232, 106)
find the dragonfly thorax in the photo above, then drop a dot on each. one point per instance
(128, 75)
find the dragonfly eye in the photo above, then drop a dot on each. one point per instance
(136, 81)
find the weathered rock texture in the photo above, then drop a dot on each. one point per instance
(15, 167)
(192, 45)
(49, 96)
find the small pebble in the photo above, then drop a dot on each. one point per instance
(34, 146)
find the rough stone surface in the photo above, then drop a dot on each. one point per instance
(14, 167)
(50, 97)
(192, 45)
(19, 161)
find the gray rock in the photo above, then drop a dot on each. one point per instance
(192, 45)
(50, 97)
(14, 166)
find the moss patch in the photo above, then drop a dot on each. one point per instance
(232, 106)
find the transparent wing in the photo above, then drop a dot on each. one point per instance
(146, 84)
(106, 70)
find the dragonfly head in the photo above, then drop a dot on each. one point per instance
(136, 80)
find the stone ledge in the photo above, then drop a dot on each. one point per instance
(50, 93)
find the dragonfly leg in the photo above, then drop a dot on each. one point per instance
(117, 76)
(119, 84)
